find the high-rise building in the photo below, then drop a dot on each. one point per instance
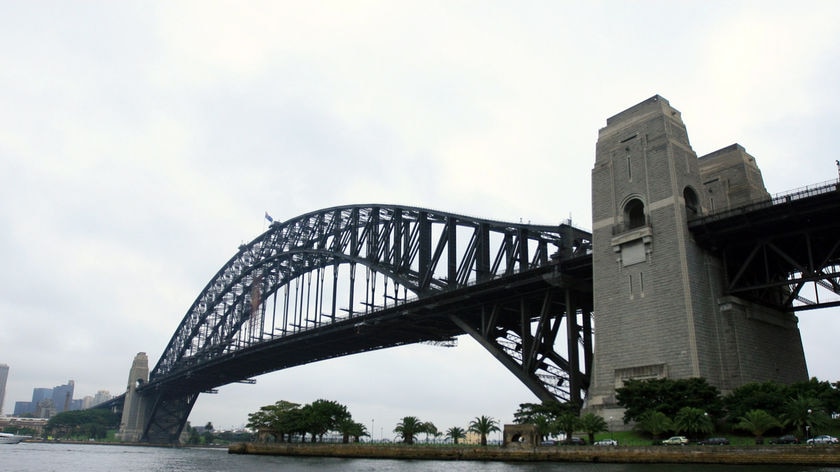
(62, 396)
(4, 374)
(31, 407)
(101, 396)
(23, 408)
(41, 394)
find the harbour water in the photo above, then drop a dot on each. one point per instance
(59, 457)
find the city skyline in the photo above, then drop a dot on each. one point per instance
(61, 398)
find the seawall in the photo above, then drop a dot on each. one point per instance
(799, 455)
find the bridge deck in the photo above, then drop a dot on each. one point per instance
(771, 250)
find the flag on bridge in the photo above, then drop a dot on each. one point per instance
(269, 218)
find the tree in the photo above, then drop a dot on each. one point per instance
(591, 424)
(757, 422)
(208, 433)
(667, 396)
(530, 412)
(83, 424)
(351, 429)
(455, 433)
(280, 419)
(567, 423)
(693, 422)
(767, 396)
(321, 416)
(545, 426)
(804, 414)
(483, 425)
(544, 416)
(654, 423)
(409, 427)
(827, 394)
(429, 429)
(193, 436)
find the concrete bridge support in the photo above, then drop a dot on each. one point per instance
(136, 407)
(659, 305)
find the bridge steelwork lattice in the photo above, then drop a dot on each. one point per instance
(357, 278)
(783, 252)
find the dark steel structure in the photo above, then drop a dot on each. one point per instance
(358, 278)
(783, 252)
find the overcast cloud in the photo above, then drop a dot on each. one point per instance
(141, 143)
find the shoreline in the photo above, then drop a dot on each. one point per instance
(758, 455)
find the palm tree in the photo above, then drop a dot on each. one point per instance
(804, 414)
(484, 425)
(567, 423)
(592, 423)
(693, 421)
(455, 433)
(349, 428)
(429, 429)
(655, 423)
(408, 427)
(757, 422)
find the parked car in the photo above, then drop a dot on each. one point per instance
(574, 442)
(676, 441)
(606, 442)
(823, 439)
(714, 442)
(786, 439)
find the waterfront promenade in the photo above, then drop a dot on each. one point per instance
(752, 455)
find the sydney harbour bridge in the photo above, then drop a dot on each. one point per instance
(358, 278)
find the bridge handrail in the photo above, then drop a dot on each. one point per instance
(777, 199)
(539, 227)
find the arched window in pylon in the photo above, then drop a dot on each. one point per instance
(634, 214)
(692, 203)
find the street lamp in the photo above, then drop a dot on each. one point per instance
(372, 426)
(808, 426)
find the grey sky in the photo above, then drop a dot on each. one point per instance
(141, 142)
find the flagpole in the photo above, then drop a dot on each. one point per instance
(269, 220)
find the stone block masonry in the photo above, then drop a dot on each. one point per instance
(660, 311)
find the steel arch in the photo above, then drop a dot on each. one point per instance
(423, 251)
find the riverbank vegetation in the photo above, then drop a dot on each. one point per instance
(696, 409)
(286, 421)
(656, 408)
(82, 425)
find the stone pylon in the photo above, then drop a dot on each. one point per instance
(659, 305)
(135, 409)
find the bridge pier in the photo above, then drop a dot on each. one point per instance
(156, 416)
(135, 407)
(660, 302)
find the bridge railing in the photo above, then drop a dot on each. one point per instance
(778, 199)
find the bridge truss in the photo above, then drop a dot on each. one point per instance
(784, 252)
(357, 278)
